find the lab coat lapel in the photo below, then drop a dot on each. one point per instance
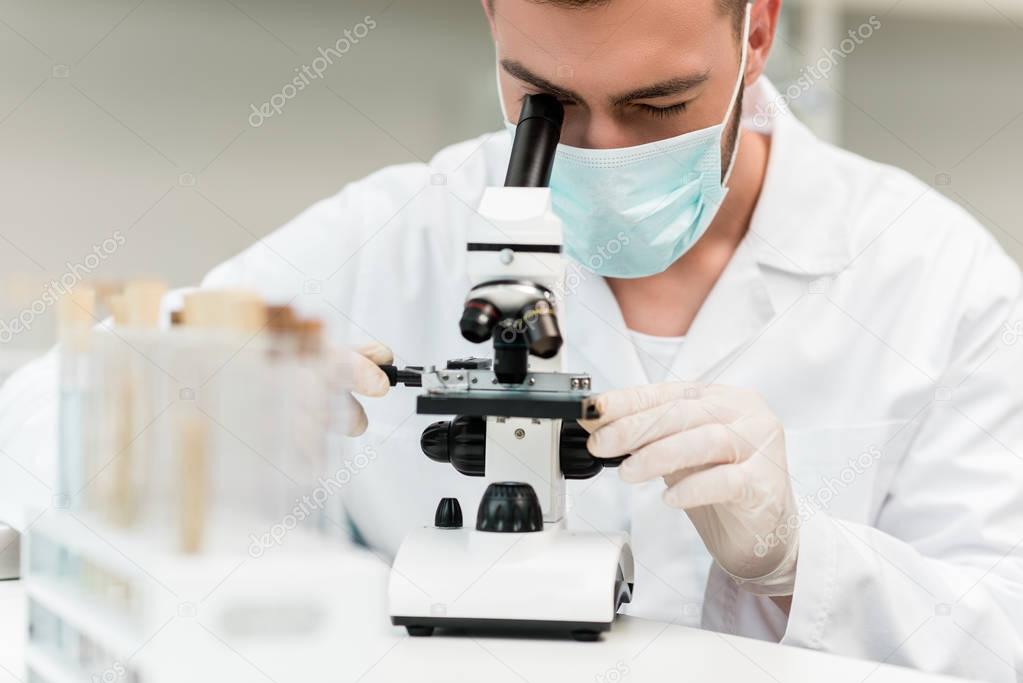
(735, 312)
(596, 337)
(737, 309)
(793, 234)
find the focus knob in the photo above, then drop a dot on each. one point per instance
(509, 507)
(459, 442)
(462, 442)
(576, 460)
(448, 515)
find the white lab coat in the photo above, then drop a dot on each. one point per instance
(876, 318)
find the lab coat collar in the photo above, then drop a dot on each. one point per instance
(796, 226)
(736, 310)
(596, 337)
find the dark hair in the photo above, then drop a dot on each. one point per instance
(737, 8)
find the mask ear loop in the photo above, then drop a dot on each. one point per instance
(735, 94)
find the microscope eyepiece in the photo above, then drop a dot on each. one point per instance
(536, 140)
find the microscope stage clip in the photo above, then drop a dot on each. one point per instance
(552, 395)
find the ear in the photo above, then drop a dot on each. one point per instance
(763, 24)
(488, 9)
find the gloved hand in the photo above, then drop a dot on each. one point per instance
(721, 452)
(366, 379)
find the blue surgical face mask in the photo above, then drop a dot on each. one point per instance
(632, 212)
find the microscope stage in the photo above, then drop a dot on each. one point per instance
(483, 403)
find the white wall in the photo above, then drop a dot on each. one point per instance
(934, 89)
(945, 98)
(159, 95)
(110, 110)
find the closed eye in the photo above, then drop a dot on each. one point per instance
(663, 112)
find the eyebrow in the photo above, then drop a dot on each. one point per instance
(672, 86)
(519, 71)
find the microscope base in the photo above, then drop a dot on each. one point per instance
(579, 630)
(551, 582)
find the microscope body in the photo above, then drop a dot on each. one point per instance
(522, 449)
(516, 427)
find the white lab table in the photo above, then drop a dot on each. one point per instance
(635, 650)
(12, 632)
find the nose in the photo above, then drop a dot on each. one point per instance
(594, 131)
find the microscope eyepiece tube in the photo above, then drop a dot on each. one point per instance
(536, 140)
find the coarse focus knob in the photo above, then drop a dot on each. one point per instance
(459, 442)
(462, 442)
(576, 460)
(509, 507)
(448, 515)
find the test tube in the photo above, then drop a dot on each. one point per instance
(225, 332)
(75, 319)
(142, 393)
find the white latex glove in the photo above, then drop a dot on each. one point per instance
(721, 452)
(366, 379)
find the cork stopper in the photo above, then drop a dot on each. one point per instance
(281, 319)
(77, 308)
(202, 309)
(107, 288)
(141, 301)
(118, 309)
(239, 310)
(245, 312)
(310, 337)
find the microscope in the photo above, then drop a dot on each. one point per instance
(516, 567)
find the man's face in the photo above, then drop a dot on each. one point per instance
(628, 72)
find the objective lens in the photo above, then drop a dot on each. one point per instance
(478, 320)
(541, 327)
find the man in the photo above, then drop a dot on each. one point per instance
(805, 351)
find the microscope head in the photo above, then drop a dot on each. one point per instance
(514, 254)
(511, 308)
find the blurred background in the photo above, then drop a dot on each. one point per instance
(132, 142)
